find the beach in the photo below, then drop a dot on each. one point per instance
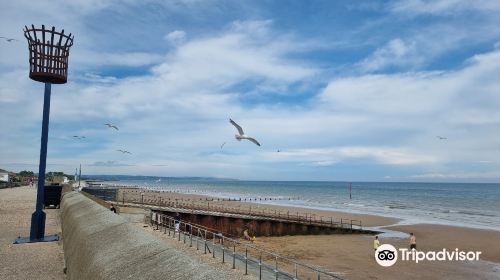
(200, 201)
(475, 205)
(352, 255)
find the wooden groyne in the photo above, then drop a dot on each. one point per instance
(232, 218)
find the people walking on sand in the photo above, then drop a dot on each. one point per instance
(376, 243)
(413, 241)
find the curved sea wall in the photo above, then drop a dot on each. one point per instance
(99, 244)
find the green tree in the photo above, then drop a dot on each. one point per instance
(26, 173)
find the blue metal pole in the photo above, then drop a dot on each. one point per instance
(38, 217)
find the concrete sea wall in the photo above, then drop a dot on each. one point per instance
(99, 244)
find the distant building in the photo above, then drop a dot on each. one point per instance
(4, 177)
(58, 179)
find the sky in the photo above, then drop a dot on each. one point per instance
(345, 90)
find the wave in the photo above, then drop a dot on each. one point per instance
(473, 213)
(415, 206)
(397, 205)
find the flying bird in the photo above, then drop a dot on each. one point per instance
(222, 145)
(78, 137)
(111, 126)
(441, 138)
(242, 134)
(10, 40)
(124, 152)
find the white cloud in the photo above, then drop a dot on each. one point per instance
(174, 115)
(258, 28)
(396, 53)
(388, 156)
(109, 163)
(330, 156)
(324, 163)
(90, 58)
(176, 37)
(462, 175)
(443, 7)
(411, 93)
(165, 117)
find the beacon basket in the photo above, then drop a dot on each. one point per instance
(49, 52)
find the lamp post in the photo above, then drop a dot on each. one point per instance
(49, 53)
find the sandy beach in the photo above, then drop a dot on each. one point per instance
(437, 237)
(352, 255)
(255, 208)
(27, 261)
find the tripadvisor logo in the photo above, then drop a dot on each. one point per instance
(387, 255)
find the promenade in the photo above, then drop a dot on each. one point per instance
(27, 261)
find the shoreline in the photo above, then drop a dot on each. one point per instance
(368, 219)
(467, 236)
(352, 254)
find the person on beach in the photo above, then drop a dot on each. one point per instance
(112, 208)
(413, 241)
(245, 235)
(376, 243)
(220, 237)
(177, 222)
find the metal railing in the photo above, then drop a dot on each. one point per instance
(210, 206)
(149, 197)
(241, 255)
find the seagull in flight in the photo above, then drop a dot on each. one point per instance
(10, 40)
(124, 152)
(78, 137)
(441, 138)
(111, 126)
(242, 134)
(222, 145)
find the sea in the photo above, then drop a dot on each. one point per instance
(473, 205)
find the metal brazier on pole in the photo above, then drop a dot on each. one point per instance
(48, 58)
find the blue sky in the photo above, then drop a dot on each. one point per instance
(346, 90)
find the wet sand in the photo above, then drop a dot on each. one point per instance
(437, 237)
(353, 257)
